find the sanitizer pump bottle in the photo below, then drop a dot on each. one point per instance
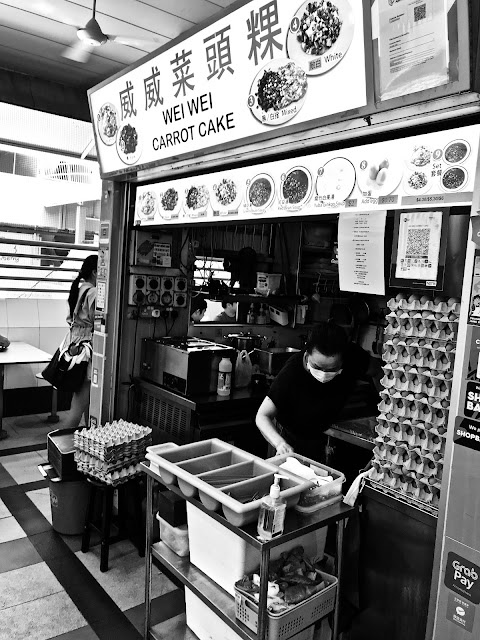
(224, 377)
(271, 517)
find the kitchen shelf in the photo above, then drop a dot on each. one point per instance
(218, 600)
(173, 629)
(352, 438)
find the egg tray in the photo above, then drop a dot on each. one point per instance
(410, 352)
(420, 411)
(447, 334)
(430, 377)
(406, 498)
(415, 438)
(106, 466)
(391, 430)
(408, 489)
(113, 478)
(429, 305)
(410, 459)
(436, 388)
(392, 395)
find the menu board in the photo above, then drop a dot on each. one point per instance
(432, 170)
(266, 66)
(361, 250)
(413, 46)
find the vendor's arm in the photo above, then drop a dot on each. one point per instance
(265, 421)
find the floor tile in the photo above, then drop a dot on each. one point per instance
(16, 554)
(41, 619)
(125, 579)
(6, 479)
(161, 608)
(4, 512)
(41, 499)
(26, 584)
(84, 633)
(10, 530)
(23, 467)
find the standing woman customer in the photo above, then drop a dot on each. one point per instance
(81, 303)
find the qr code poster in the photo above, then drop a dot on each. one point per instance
(419, 250)
(474, 308)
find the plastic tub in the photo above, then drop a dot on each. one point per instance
(176, 538)
(225, 557)
(315, 497)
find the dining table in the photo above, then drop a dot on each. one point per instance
(18, 353)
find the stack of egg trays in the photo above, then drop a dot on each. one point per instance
(419, 357)
(113, 478)
(112, 453)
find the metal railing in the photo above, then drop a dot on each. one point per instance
(35, 276)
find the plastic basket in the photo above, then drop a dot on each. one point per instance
(289, 623)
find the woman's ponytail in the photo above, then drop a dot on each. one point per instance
(89, 265)
(73, 295)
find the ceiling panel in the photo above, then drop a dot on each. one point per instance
(34, 33)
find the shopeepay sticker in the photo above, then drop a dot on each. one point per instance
(467, 433)
(463, 577)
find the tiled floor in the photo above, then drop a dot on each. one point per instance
(48, 587)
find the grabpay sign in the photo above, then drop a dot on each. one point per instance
(462, 576)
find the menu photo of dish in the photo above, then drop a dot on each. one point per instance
(129, 145)
(453, 179)
(226, 195)
(278, 92)
(146, 206)
(260, 193)
(197, 198)
(456, 152)
(418, 182)
(295, 189)
(107, 124)
(320, 34)
(378, 177)
(170, 203)
(335, 181)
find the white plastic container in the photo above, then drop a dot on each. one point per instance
(278, 315)
(176, 538)
(225, 557)
(268, 280)
(224, 383)
(207, 625)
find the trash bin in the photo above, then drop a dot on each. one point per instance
(68, 499)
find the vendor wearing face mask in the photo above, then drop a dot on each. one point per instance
(310, 391)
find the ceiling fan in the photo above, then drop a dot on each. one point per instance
(91, 36)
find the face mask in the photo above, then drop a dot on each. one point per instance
(323, 376)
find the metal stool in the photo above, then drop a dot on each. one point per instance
(107, 492)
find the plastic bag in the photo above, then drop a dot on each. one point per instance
(243, 370)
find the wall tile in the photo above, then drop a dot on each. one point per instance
(22, 313)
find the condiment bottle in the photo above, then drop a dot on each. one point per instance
(271, 517)
(224, 383)
(251, 315)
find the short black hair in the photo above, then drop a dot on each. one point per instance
(226, 301)
(328, 338)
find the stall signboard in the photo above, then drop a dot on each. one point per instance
(437, 169)
(262, 68)
(413, 46)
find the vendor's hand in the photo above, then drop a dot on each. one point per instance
(284, 448)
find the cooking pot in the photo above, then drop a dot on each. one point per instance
(248, 341)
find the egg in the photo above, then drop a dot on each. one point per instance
(384, 164)
(435, 345)
(431, 400)
(449, 347)
(422, 343)
(448, 375)
(407, 367)
(425, 314)
(399, 297)
(413, 297)
(381, 177)
(452, 317)
(452, 301)
(418, 396)
(438, 300)
(424, 299)
(373, 171)
(394, 365)
(445, 404)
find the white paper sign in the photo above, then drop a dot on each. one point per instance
(413, 46)
(360, 251)
(419, 235)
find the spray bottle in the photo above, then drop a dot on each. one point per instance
(271, 517)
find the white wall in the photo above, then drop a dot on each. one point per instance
(41, 323)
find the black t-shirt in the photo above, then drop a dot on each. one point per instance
(307, 407)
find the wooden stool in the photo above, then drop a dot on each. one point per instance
(53, 417)
(107, 492)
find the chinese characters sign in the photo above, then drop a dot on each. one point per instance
(267, 64)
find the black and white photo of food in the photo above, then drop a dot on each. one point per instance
(277, 89)
(296, 186)
(320, 27)
(454, 179)
(128, 139)
(147, 204)
(225, 192)
(107, 124)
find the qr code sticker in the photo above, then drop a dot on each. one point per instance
(418, 243)
(420, 13)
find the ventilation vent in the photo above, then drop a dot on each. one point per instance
(6, 161)
(167, 416)
(26, 165)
